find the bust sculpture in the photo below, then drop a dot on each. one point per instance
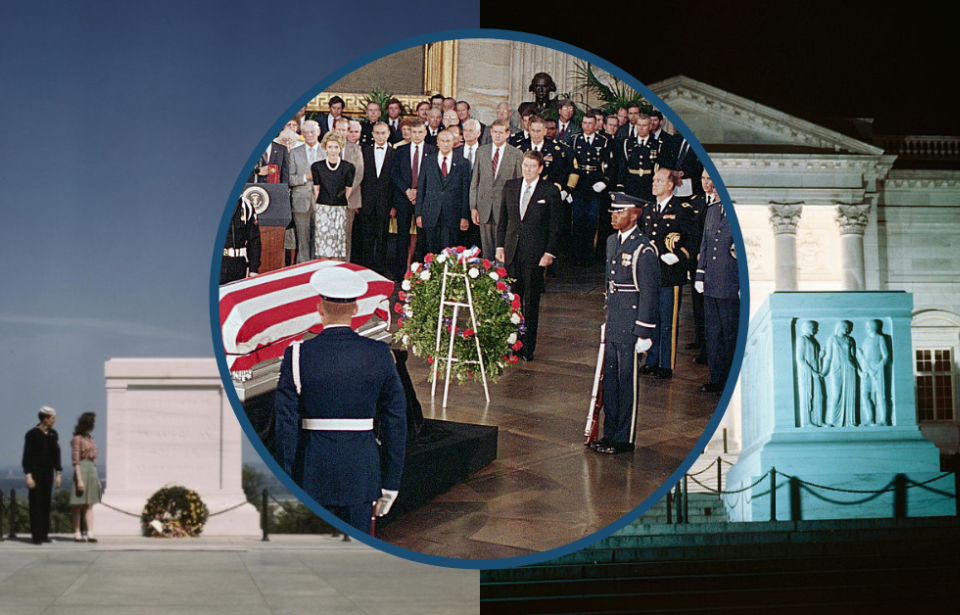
(542, 85)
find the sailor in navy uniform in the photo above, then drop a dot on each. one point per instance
(592, 162)
(719, 281)
(241, 250)
(331, 388)
(633, 284)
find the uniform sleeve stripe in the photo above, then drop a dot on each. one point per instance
(646, 324)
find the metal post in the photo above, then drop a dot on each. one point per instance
(795, 512)
(678, 499)
(773, 494)
(719, 475)
(13, 514)
(900, 496)
(686, 501)
(670, 507)
(265, 518)
(1, 516)
(725, 451)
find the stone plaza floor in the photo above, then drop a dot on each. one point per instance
(238, 576)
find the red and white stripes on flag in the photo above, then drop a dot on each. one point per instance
(263, 315)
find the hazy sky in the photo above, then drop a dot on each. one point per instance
(123, 127)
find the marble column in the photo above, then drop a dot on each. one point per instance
(852, 222)
(785, 218)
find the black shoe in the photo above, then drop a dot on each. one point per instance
(526, 357)
(693, 346)
(615, 448)
(91, 539)
(47, 540)
(712, 387)
(646, 370)
(597, 443)
(663, 373)
(37, 542)
(701, 360)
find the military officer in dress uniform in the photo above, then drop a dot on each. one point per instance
(699, 202)
(669, 223)
(633, 283)
(330, 389)
(591, 161)
(241, 251)
(719, 281)
(41, 466)
(638, 161)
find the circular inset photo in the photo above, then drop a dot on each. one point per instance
(479, 299)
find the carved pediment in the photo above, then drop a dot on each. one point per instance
(719, 117)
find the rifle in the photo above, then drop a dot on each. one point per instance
(596, 396)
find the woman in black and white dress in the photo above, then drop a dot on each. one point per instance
(332, 181)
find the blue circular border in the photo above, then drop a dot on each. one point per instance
(626, 519)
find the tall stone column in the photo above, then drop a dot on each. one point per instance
(852, 222)
(785, 218)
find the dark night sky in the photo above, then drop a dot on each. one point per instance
(814, 60)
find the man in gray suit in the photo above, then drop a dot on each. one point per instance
(301, 186)
(495, 163)
(354, 155)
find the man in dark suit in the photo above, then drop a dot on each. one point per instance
(373, 116)
(629, 129)
(394, 111)
(433, 125)
(405, 176)
(276, 155)
(443, 197)
(328, 121)
(330, 389)
(463, 113)
(565, 126)
(373, 219)
(528, 234)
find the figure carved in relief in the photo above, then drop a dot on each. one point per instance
(809, 378)
(874, 356)
(840, 372)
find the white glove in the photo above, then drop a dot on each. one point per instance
(569, 198)
(599, 186)
(670, 258)
(643, 344)
(385, 503)
(563, 195)
(699, 286)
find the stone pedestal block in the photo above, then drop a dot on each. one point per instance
(831, 402)
(170, 423)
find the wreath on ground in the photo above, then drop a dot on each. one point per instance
(174, 512)
(499, 319)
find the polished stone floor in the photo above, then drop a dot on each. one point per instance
(546, 489)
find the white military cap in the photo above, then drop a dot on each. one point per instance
(338, 284)
(47, 410)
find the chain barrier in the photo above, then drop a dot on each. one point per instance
(130, 514)
(705, 469)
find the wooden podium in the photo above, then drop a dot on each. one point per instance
(272, 204)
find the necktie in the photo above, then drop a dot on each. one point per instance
(683, 152)
(416, 165)
(633, 132)
(443, 166)
(563, 129)
(496, 160)
(470, 155)
(311, 155)
(590, 140)
(525, 199)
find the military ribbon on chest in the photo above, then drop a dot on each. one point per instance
(626, 259)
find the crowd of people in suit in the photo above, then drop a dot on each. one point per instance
(385, 191)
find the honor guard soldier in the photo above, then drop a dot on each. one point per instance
(632, 284)
(719, 281)
(591, 161)
(639, 160)
(330, 389)
(669, 223)
(41, 466)
(241, 251)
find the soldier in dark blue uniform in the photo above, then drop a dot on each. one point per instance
(331, 388)
(699, 203)
(241, 250)
(638, 161)
(633, 283)
(719, 281)
(669, 223)
(591, 161)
